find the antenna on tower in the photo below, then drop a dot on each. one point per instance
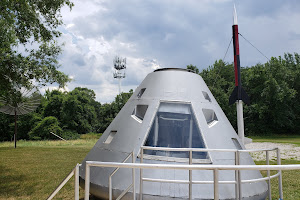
(120, 66)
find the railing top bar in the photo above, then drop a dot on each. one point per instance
(203, 149)
(255, 150)
(193, 167)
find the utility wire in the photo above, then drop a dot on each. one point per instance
(254, 47)
(223, 61)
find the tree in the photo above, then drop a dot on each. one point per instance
(109, 111)
(193, 68)
(26, 25)
(78, 111)
(43, 129)
(54, 104)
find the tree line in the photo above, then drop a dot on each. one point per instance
(273, 88)
(67, 114)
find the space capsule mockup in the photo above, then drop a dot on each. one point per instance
(171, 108)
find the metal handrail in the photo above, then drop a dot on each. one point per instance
(180, 167)
(75, 172)
(237, 167)
(132, 185)
(238, 181)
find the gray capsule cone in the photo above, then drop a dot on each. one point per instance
(171, 108)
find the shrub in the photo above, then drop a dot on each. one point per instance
(43, 128)
(70, 135)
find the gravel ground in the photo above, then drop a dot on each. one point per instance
(287, 151)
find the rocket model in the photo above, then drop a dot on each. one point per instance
(238, 92)
(238, 95)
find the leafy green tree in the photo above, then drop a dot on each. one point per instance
(193, 67)
(43, 129)
(109, 111)
(28, 47)
(274, 96)
(55, 100)
(78, 111)
(6, 134)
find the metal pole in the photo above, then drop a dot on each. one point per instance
(76, 177)
(61, 184)
(236, 177)
(239, 176)
(133, 176)
(216, 184)
(110, 188)
(190, 176)
(141, 175)
(280, 176)
(15, 135)
(268, 174)
(240, 119)
(87, 182)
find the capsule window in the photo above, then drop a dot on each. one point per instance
(139, 112)
(141, 92)
(210, 116)
(175, 126)
(206, 96)
(110, 137)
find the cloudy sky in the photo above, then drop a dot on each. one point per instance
(155, 34)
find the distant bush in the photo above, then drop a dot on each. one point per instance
(70, 135)
(90, 136)
(42, 130)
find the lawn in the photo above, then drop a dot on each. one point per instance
(291, 139)
(34, 169)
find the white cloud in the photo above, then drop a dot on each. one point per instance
(170, 33)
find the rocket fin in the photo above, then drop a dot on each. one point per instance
(234, 96)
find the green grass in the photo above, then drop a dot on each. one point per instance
(35, 169)
(290, 181)
(291, 139)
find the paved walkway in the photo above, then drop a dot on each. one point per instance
(288, 151)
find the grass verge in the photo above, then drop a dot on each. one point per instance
(290, 139)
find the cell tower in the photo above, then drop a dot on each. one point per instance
(120, 66)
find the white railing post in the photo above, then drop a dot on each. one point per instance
(236, 176)
(216, 184)
(268, 174)
(109, 188)
(133, 176)
(280, 175)
(76, 177)
(141, 174)
(239, 175)
(190, 176)
(87, 182)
